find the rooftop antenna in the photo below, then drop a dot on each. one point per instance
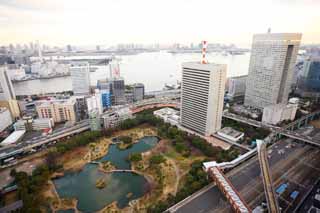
(204, 48)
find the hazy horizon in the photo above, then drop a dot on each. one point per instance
(83, 22)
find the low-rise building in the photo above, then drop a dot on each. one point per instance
(60, 110)
(231, 134)
(274, 114)
(42, 123)
(20, 125)
(113, 118)
(168, 115)
(13, 138)
(5, 118)
(129, 97)
(138, 92)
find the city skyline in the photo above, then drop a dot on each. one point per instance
(110, 22)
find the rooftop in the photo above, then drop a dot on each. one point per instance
(167, 111)
(200, 66)
(231, 132)
(55, 101)
(14, 137)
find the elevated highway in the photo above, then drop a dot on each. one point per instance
(27, 146)
(266, 177)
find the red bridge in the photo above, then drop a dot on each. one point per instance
(232, 195)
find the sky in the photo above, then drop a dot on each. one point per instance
(108, 22)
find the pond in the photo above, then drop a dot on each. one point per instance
(119, 157)
(81, 185)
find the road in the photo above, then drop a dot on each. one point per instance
(25, 146)
(266, 176)
(288, 163)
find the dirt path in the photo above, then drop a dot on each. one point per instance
(178, 176)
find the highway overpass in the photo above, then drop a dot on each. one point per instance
(266, 177)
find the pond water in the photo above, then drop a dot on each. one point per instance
(119, 157)
(81, 185)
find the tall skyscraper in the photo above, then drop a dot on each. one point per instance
(80, 75)
(202, 96)
(105, 88)
(309, 81)
(118, 91)
(273, 56)
(237, 86)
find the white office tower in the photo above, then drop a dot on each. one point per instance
(202, 96)
(274, 114)
(273, 57)
(237, 86)
(6, 88)
(95, 102)
(80, 75)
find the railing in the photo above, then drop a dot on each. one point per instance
(232, 195)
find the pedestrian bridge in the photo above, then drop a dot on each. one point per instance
(232, 195)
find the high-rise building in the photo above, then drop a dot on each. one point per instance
(95, 102)
(105, 88)
(273, 56)
(118, 91)
(202, 96)
(237, 86)
(103, 84)
(309, 81)
(106, 98)
(81, 108)
(80, 75)
(138, 92)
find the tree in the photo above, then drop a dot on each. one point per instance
(52, 159)
(13, 173)
(125, 139)
(135, 157)
(157, 159)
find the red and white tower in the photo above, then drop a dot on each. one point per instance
(114, 68)
(204, 49)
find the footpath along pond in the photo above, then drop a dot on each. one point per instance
(82, 185)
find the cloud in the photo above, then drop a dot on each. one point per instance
(32, 4)
(145, 21)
